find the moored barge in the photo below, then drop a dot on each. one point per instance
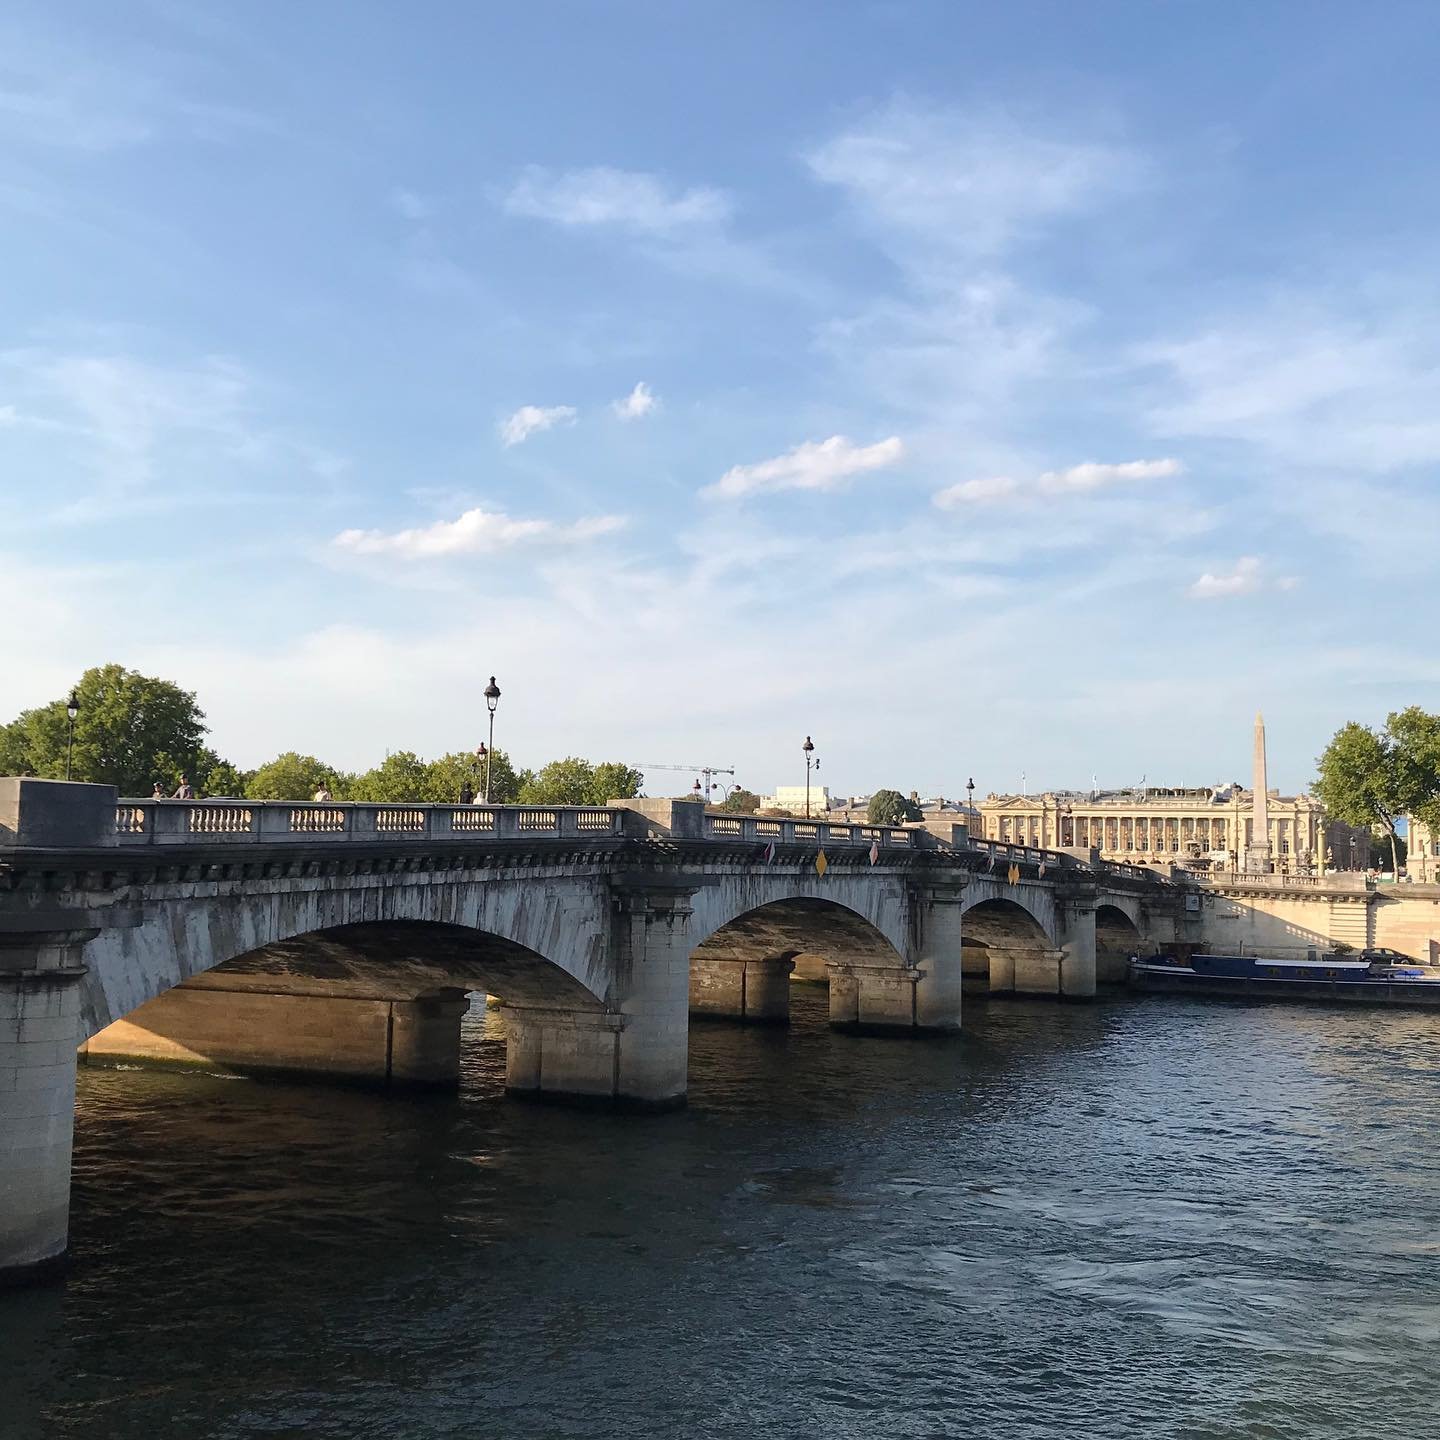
(1369, 979)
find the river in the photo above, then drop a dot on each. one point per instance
(1148, 1217)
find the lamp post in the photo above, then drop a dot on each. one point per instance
(72, 709)
(695, 792)
(492, 699)
(970, 807)
(809, 748)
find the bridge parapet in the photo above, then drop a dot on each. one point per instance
(184, 822)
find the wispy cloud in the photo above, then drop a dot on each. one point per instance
(530, 420)
(476, 532)
(1245, 577)
(1093, 476)
(637, 404)
(1083, 479)
(814, 465)
(1354, 386)
(984, 491)
(974, 181)
(626, 199)
(410, 206)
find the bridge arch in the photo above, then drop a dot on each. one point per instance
(1003, 941)
(1117, 938)
(740, 970)
(379, 1000)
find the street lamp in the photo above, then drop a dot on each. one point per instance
(695, 791)
(970, 806)
(72, 709)
(492, 699)
(809, 748)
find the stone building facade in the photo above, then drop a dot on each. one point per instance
(1423, 853)
(1156, 825)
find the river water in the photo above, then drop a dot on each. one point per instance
(1144, 1218)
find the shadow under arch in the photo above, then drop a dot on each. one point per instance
(1117, 938)
(741, 970)
(377, 1002)
(998, 933)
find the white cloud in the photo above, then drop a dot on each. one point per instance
(975, 492)
(637, 404)
(815, 465)
(410, 206)
(1092, 476)
(529, 420)
(626, 199)
(965, 180)
(476, 532)
(1355, 388)
(1244, 579)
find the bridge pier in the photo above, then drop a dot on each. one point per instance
(923, 993)
(39, 1027)
(633, 1054)
(753, 989)
(409, 1042)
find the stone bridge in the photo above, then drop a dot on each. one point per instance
(343, 940)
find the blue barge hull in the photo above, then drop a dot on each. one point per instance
(1354, 982)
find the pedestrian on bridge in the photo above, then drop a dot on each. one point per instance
(467, 795)
(184, 791)
(323, 793)
(158, 793)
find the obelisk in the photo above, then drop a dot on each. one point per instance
(1257, 852)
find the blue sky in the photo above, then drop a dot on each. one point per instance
(979, 389)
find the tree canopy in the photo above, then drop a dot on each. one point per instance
(573, 781)
(890, 807)
(1372, 778)
(130, 731)
(741, 802)
(290, 777)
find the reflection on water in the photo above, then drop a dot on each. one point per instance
(1156, 1219)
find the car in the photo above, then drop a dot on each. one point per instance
(1383, 956)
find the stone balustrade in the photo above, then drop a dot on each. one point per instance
(763, 831)
(188, 822)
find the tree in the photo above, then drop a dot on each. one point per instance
(220, 778)
(614, 781)
(890, 807)
(562, 782)
(289, 777)
(401, 778)
(1369, 778)
(741, 802)
(1398, 855)
(130, 730)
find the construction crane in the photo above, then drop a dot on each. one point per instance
(706, 770)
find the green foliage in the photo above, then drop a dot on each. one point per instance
(220, 778)
(741, 802)
(401, 778)
(131, 729)
(1372, 778)
(1383, 855)
(562, 782)
(290, 777)
(890, 807)
(614, 781)
(573, 781)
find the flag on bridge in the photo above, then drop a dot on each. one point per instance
(821, 864)
(1041, 874)
(770, 853)
(1014, 875)
(874, 852)
(991, 865)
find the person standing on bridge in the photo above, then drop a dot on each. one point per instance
(158, 793)
(467, 795)
(184, 791)
(323, 793)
